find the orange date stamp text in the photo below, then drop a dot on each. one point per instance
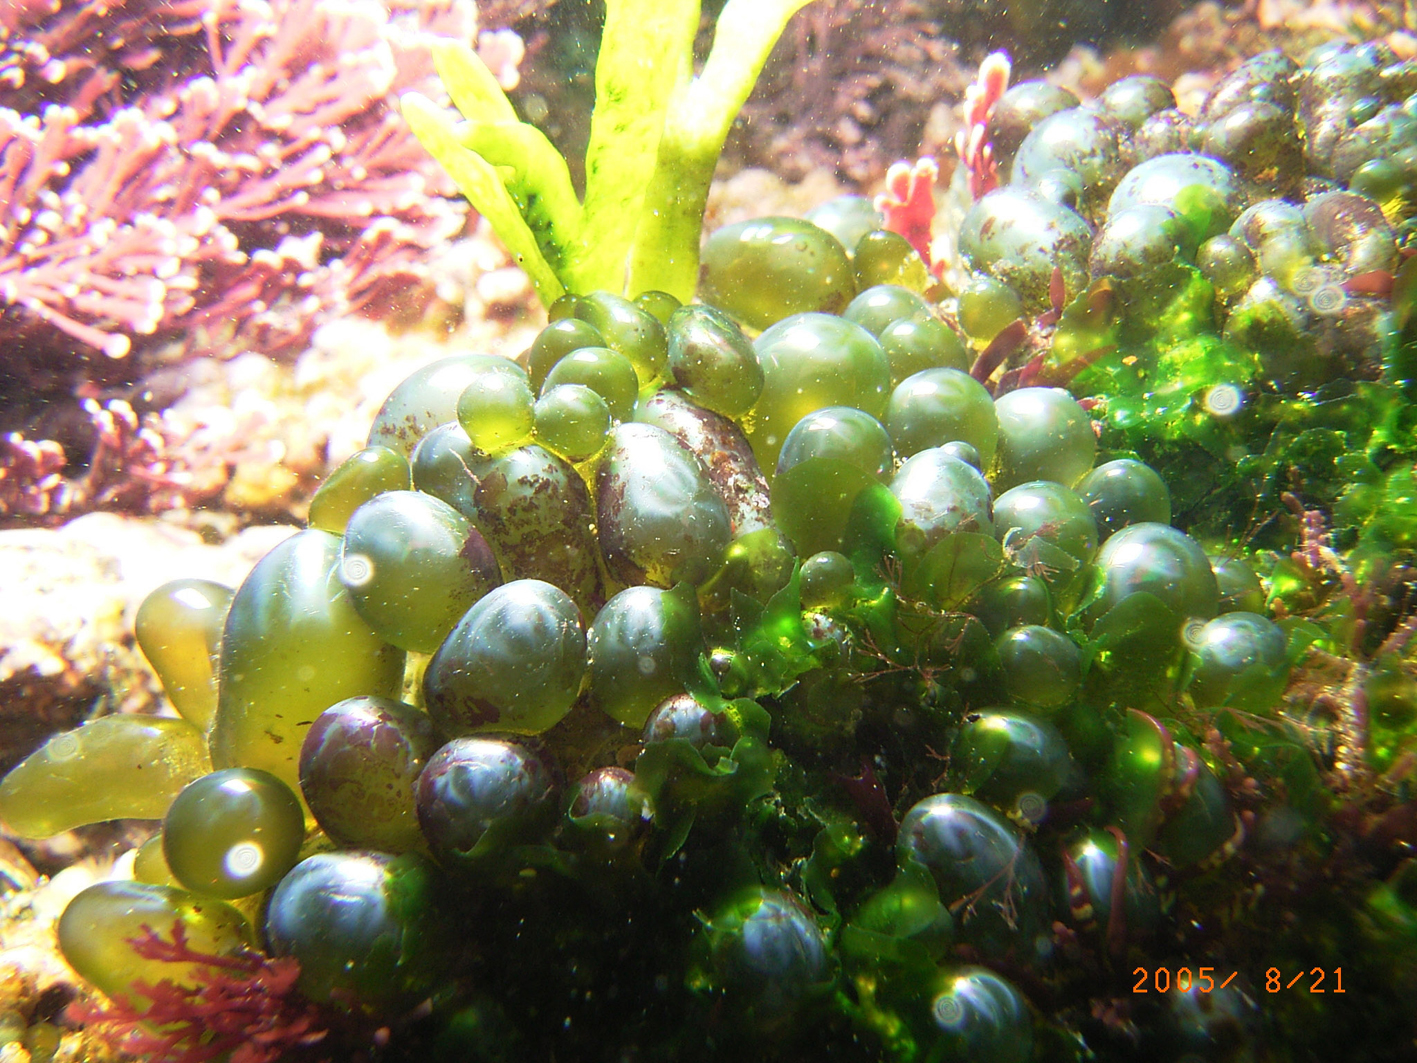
(1206, 980)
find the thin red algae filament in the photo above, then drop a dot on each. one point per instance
(246, 1005)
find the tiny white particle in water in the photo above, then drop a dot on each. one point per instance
(1328, 300)
(356, 570)
(1032, 807)
(243, 859)
(1192, 631)
(949, 1012)
(1223, 400)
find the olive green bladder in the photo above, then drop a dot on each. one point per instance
(178, 628)
(660, 520)
(115, 767)
(97, 931)
(360, 477)
(412, 565)
(294, 644)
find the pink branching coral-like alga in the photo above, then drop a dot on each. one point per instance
(908, 203)
(245, 1005)
(133, 468)
(975, 152)
(169, 164)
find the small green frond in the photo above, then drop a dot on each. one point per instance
(483, 186)
(537, 177)
(646, 52)
(655, 137)
(666, 245)
(473, 87)
(531, 169)
(746, 33)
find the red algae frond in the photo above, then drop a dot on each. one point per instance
(975, 152)
(246, 1006)
(908, 202)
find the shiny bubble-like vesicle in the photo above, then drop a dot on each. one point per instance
(610, 806)
(293, 645)
(768, 950)
(713, 361)
(428, 397)
(99, 926)
(558, 339)
(477, 795)
(1019, 237)
(764, 270)
(233, 833)
(1240, 659)
(360, 477)
(811, 361)
(178, 628)
(971, 851)
(413, 565)
(1125, 491)
(1043, 435)
(879, 305)
(1161, 561)
(361, 927)
(358, 764)
(642, 647)
(978, 1014)
(1014, 761)
(513, 663)
(660, 520)
(605, 371)
(938, 494)
(115, 767)
(629, 329)
(841, 432)
(1046, 524)
(1041, 668)
(495, 410)
(535, 510)
(939, 406)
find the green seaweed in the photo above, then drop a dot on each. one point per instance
(655, 137)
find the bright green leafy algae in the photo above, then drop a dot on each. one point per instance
(655, 137)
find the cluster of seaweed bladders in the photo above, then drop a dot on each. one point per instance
(842, 667)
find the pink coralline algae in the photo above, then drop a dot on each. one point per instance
(213, 167)
(134, 468)
(908, 203)
(976, 154)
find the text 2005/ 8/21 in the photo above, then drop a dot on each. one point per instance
(1163, 980)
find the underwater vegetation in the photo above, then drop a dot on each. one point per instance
(850, 87)
(184, 175)
(110, 229)
(1005, 656)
